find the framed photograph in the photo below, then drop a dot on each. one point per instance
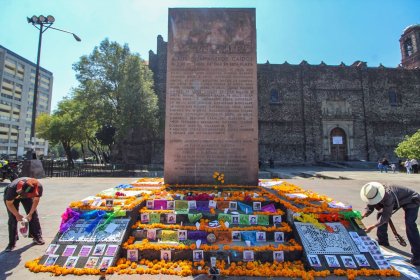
(348, 262)
(248, 256)
(69, 250)
(261, 236)
(150, 204)
(170, 205)
(51, 249)
(133, 255)
(85, 251)
(111, 250)
(236, 236)
(361, 260)
(165, 255)
(144, 218)
(332, 261)
(314, 260)
(106, 262)
(192, 204)
(278, 256)
(99, 250)
(171, 218)
(71, 262)
(151, 234)
(278, 236)
(182, 235)
(256, 206)
(235, 219)
(253, 219)
(92, 262)
(51, 260)
(277, 219)
(213, 261)
(212, 204)
(233, 206)
(198, 255)
(109, 202)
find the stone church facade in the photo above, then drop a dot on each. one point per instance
(312, 113)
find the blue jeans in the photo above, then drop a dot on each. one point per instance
(411, 231)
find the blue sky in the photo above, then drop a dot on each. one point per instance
(287, 30)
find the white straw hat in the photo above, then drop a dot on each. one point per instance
(372, 193)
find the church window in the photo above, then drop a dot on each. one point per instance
(408, 47)
(274, 96)
(393, 98)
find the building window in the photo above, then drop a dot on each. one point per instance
(274, 96)
(408, 47)
(394, 98)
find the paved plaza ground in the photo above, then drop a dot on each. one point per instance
(59, 192)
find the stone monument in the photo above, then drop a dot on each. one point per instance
(211, 100)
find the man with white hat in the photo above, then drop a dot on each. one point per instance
(387, 200)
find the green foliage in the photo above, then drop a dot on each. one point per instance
(409, 147)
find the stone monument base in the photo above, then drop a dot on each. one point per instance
(33, 168)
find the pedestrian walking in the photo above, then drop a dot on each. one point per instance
(415, 166)
(407, 166)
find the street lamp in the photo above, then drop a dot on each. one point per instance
(43, 24)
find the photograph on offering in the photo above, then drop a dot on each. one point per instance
(109, 202)
(276, 220)
(182, 235)
(69, 250)
(92, 262)
(314, 260)
(279, 237)
(235, 219)
(71, 262)
(248, 256)
(253, 219)
(332, 261)
(52, 248)
(133, 255)
(233, 206)
(170, 205)
(361, 260)
(171, 218)
(151, 234)
(85, 251)
(150, 204)
(144, 218)
(99, 250)
(212, 204)
(192, 205)
(236, 236)
(348, 262)
(165, 255)
(198, 255)
(111, 250)
(261, 236)
(51, 260)
(278, 256)
(106, 262)
(256, 206)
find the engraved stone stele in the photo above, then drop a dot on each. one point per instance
(211, 96)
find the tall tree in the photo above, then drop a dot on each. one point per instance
(409, 147)
(117, 86)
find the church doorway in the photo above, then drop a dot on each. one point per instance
(338, 141)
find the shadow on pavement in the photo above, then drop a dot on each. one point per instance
(9, 260)
(398, 251)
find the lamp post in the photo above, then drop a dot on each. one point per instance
(43, 24)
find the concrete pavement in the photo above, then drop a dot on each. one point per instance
(59, 192)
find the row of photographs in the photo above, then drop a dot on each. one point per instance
(171, 219)
(332, 261)
(236, 236)
(71, 262)
(198, 255)
(192, 205)
(85, 250)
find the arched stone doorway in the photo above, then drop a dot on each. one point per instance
(338, 141)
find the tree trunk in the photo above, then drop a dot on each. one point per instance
(67, 150)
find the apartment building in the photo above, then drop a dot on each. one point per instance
(17, 79)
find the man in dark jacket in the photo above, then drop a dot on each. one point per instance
(28, 192)
(387, 200)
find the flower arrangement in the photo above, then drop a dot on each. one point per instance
(219, 177)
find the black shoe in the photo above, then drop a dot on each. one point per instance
(9, 248)
(39, 240)
(415, 262)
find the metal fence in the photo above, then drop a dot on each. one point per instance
(62, 169)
